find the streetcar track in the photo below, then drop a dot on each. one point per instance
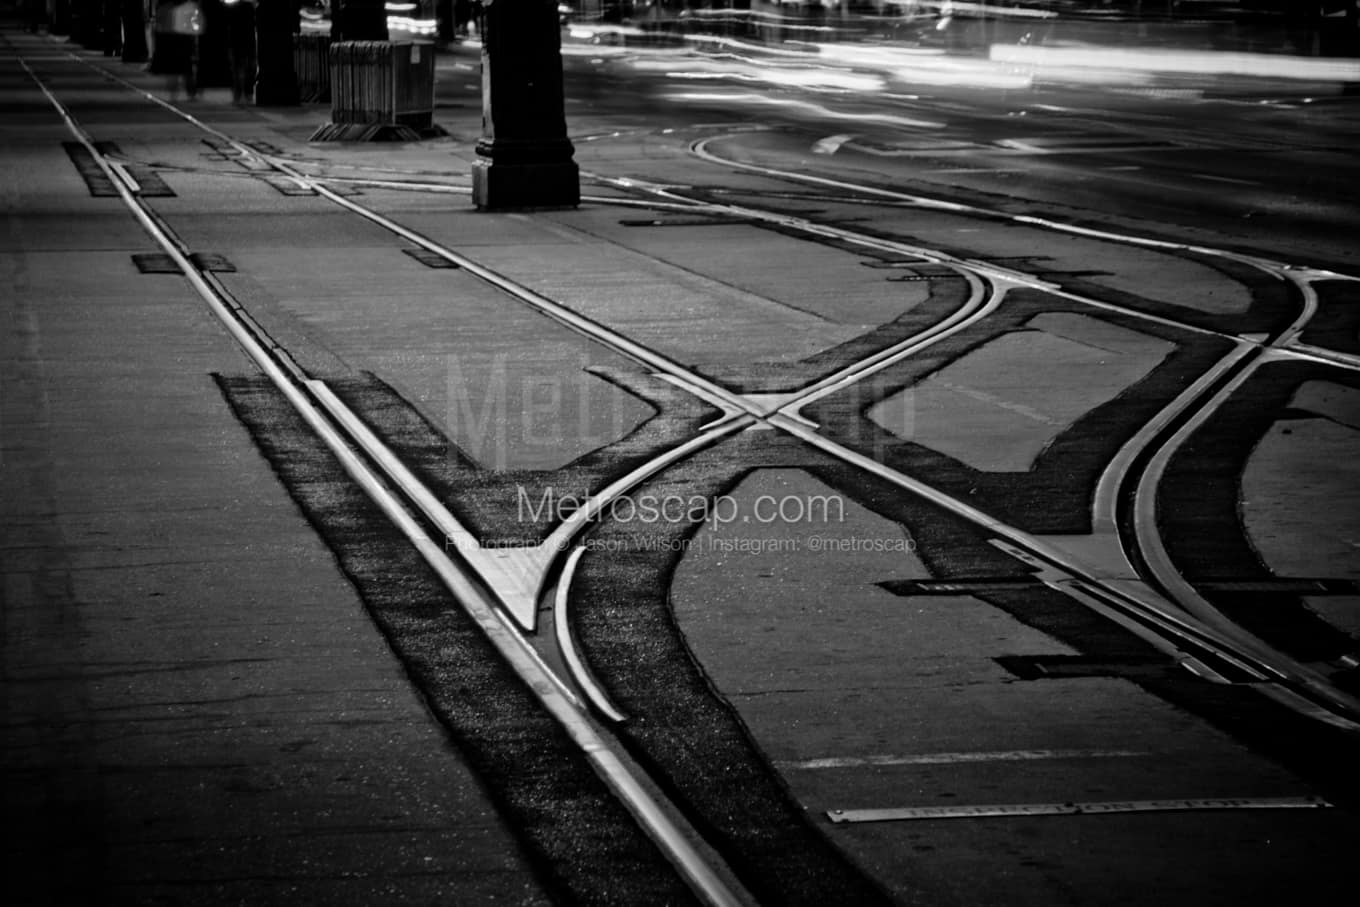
(558, 554)
(1145, 545)
(308, 399)
(576, 664)
(980, 268)
(1302, 277)
(706, 882)
(1095, 592)
(785, 416)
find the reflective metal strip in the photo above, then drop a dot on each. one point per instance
(1072, 809)
(567, 645)
(955, 758)
(121, 171)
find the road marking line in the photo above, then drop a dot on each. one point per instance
(958, 758)
(1072, 809)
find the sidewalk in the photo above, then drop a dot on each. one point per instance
(196, 707)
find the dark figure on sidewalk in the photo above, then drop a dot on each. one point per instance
(35, 15)
(241, 51)
(135, 43)
(178, 26)
(111, 12)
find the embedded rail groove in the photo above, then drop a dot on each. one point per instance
(1174, 619)
(375, 477)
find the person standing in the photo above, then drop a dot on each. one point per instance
(111, 12)
(178, 26)
(242, 54)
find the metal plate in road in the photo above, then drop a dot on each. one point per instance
(1072, 809)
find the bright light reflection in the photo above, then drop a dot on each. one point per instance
(808, 107)
(1152, 60)
(995, 11)
(400, 25)
(812, 77)
(906, 65)
(875, 66)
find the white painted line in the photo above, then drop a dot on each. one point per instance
(958, 758)
(1072, 809)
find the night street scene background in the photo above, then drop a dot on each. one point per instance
(722, 453)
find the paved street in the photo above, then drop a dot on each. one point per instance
(955, 504)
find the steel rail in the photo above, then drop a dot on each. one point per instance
(1172, 584)
(1148, 608)
(1152, 550)
(562, 537)
(982, 301)
(578, 322)
(518, 598)
(997, 273)
(1105, 500)
(1302, 277)
(585, 678)
(699, 149)
(491, 620)
(1310, 353)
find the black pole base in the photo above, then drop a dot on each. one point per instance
(498, 186)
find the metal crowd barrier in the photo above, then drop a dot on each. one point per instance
(311, 62)
(378, 83)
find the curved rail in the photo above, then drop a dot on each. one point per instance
(1148, 606)
(549, 689)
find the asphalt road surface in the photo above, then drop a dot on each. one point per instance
(878, 490)
(1262, 163)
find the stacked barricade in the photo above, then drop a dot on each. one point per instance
(311, 62)
(413, 65)
(380, 90)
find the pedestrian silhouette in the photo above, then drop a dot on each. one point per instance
(179, 24)
(241, 49)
